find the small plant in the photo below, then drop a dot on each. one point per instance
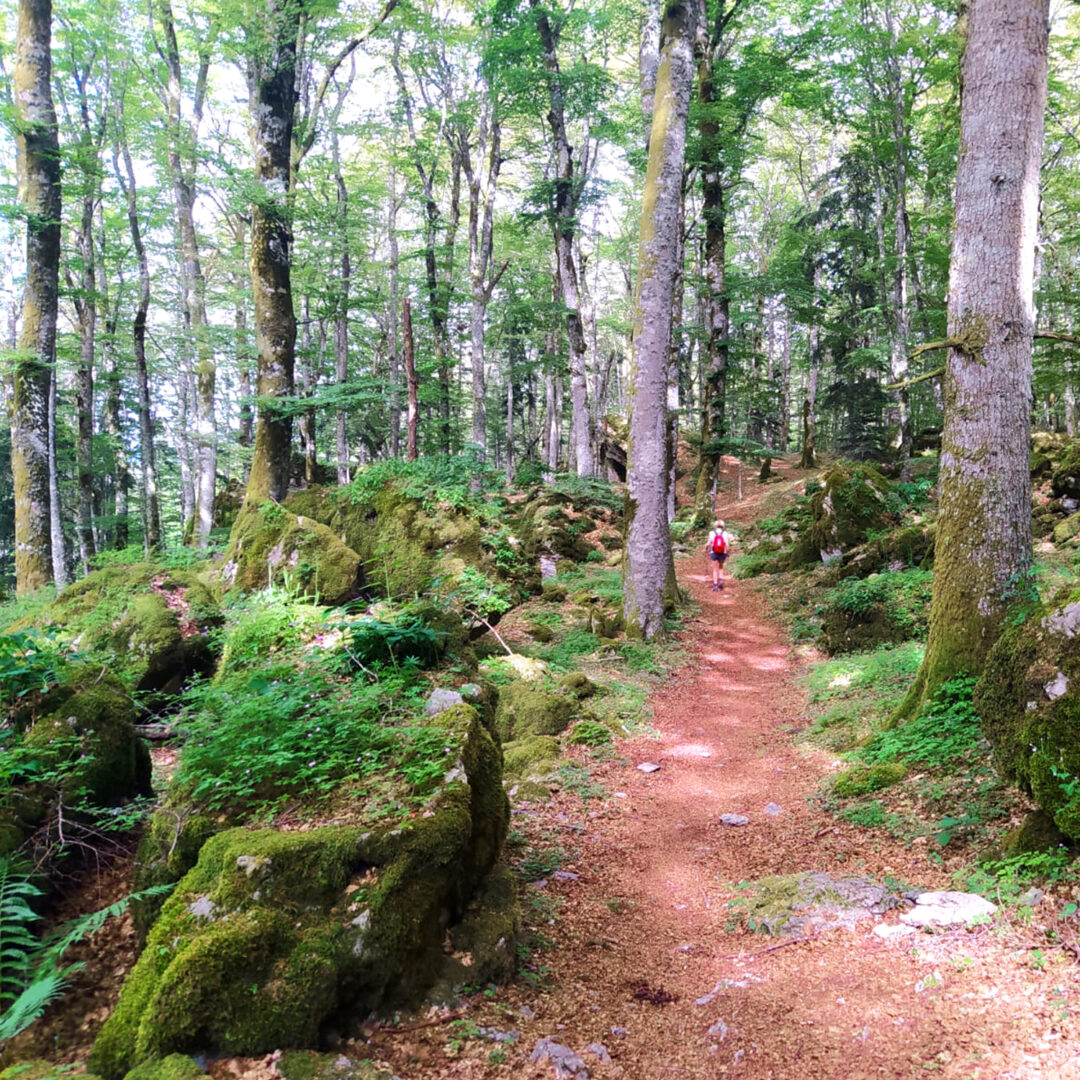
(590, 733)
(376, 643)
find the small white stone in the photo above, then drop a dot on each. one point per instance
(648, 767)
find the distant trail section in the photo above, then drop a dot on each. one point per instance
(651, 960)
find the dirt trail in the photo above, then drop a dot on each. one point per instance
(651, 906)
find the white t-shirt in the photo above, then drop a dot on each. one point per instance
(720, 532)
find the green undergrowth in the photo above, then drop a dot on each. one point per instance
(931, 777)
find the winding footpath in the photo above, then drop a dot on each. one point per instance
(649, 960)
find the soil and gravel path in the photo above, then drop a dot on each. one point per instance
(650, 961)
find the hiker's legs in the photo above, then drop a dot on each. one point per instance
(715, 570)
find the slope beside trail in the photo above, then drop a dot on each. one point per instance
(649, 959)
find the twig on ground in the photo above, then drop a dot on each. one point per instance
(771, 948)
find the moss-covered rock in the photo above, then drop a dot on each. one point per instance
(1029, 703)
(152, 627)
(310, 1065)
(864, 779)
(911, 546)
(272, 933)
(525, 709)
(86, 752)
(1065, 480)
(269, 545)
(577, 684)
(1036, 833)
(590, 733)
(1047, 448)
(845, 630)
(539, 631)
(45, 1070)
(850, 504)
(523, 756)
(173, 1067)
(1067, 530)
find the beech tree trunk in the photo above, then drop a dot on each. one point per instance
(412, 383)
(565, 225)
(38, 165)
(341, 315)
(151, 510)
(392, 321)
(983, 546)
(649, 576)
(271, 82)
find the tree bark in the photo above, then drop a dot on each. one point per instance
(983, 547)
(271, 81)
(565, 225)
(38, 165)
(649, 576)
(412, 383)
(341, 314)
(392, 321)
(150, 508)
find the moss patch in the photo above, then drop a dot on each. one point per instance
(863, 779)
(521, 757)
(525, 710)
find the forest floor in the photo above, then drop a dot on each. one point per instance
(647, 957)
(637, 947)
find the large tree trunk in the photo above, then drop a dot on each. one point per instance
(565, 225)
(38, 163)
(271, 81)
(649, 577)
(983, 546)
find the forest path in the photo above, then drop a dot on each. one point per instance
(649, 910)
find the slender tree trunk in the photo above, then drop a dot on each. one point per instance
(983, 546)
(565, 225)
(38, 165)
(509, 463)
(395, 345)
(649, 577)
(271, 81)
(784, 428)
(717, 304)
(56, 510)
(86, 307)
(341, 316)
(246, 425)
(151, 510)
(113, 420)
(412, 383)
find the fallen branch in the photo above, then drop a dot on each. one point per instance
(417, 1027)
(771, 948)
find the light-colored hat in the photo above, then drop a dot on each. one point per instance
(719, 523)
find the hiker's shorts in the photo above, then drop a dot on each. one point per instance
(718, 556)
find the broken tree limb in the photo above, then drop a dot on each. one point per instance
(936, 373)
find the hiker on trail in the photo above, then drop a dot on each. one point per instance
(718, 552)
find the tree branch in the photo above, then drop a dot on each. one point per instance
(1046, 335)
(918, 379)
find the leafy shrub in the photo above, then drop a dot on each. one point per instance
(28, 664)
(593, 490)
(590, 733)
(945, 728)
(375, 643)
(459, 480)
(255, 739)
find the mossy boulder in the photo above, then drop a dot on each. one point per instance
(911, 546)
(1028, 701)
(1067, 530)
(87, 755)
(272, 934)
(806, 904)
(845, 630)
(173, 1067)
(151, 626)
(45, 1070)
(864, 779)
(1047, 449)
(1065, 479)
(525, 709)
(1036, 833)
(850, 504)
(311, 1065)
(523, 756)
(270, 545)
(539, 631)
(577, 684)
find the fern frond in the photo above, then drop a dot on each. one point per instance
(33, 1001)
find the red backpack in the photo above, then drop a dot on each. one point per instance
(719, 543)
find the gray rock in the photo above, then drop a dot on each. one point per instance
(648, 767)
(618, 1031)
(202, 907)
(600, 1052)
(442, 699)
(565, 1063)
(892, 931)
(718, 1030)
(800, 904)
(948, 909)
(495, 1035)
(548, 569)
(734, 819)
(773, 810)
(566, 875)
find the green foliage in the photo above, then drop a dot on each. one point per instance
(946, 728)
(590, 733)
(1005, 879)
(31, 973)
(590, 490)
(868, 815)
(455, 480)
(375, 643)
(864, 779)
(253, 740)
(29, 663)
